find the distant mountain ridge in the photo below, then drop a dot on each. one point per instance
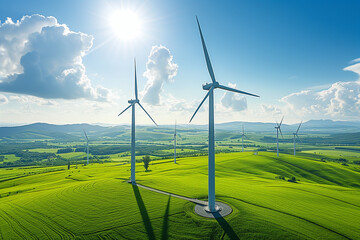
(47, 130)
(72, 131)
(311, 126)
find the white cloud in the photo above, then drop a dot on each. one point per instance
(3, 99)
(268, 108)
(160, 68)
(355, 67)
(233, 101)
(42, 58)
(13, 41)
(341, 99)
(355, 60)
(23, 99)
(180, 105)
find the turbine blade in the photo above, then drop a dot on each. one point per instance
(212, 88)
(298, 138)
(147, 113)
(208, 63)
(136, 88)
(281, 121)
(237, 91)
(125, 110)
(243, 130)
(85, 135)
(277, 124)
(281, 132)
(298, 128)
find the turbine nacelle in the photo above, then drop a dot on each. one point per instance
(133, 101)
(207, 86)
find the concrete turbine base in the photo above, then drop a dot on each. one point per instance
(222, 210)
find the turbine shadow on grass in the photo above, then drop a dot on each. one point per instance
(144, 214)
(165, 227)
(226, 226)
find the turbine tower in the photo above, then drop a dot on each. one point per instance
(296, 135)
(278, 129)
(133, 102)
(175, 144)
(211, 156)
(87, 148)
(242, 139)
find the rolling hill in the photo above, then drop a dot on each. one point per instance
(95, 201)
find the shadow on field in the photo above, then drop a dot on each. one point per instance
(165, 227)
(144, 214)
(225, 226)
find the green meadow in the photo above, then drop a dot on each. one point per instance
(96, 202)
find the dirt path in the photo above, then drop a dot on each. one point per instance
(194, 200)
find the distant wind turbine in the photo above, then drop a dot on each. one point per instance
(278, 129)
(87, 147)
(175, 144)
(296, 135)
(133, 102)
(242, 139)
(211, 156)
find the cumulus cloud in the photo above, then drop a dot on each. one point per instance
(180, 105)
(340, 99)
(13, 39)
(3, 99)
(233, 101)
(160, 68)
(40, 57)
(33, 100)
(268, 108)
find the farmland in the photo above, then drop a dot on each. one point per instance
(314, 195)
(95, 201)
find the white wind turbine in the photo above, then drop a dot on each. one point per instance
(132, 104)
(278, 129)
(242, 139)
(175, 144)
(87, 148)
(211, 156)
(296, 135)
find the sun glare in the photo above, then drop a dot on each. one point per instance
(125, 24)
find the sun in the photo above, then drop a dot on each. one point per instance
(125, 24)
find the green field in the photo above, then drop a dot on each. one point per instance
(96, 202)
(10, 158)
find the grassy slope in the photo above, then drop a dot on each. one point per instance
(95, 201)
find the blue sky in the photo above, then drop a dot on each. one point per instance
(291, 53)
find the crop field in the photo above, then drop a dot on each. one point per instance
(335, 153)
(10, 158)
(44, 150)
(95, 201)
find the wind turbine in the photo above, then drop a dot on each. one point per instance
(133, 102)
(242, 139)
(175, 144)
(296, 135)
(211, 156)
(278, 129)
(87, 148)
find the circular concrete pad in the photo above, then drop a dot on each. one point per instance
(223, 211)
